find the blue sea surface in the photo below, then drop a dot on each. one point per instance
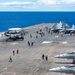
(25, 19)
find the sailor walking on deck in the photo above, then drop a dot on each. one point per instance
(46, 57)
(43, 56)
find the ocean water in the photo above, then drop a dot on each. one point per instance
(25, 19)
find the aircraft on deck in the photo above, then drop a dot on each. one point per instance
(69, 69)
(14, 34)
(70, 55)
(59, 27)
(70, 30)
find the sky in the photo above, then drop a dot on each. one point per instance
(37, 5)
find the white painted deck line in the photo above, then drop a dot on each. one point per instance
(64, 42)
(14, 43)
(46, 42)
(56, 36)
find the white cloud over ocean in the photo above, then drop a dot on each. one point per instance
(58, 5)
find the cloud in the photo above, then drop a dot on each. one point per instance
(57, 5)
(14, 3)
(38, 5)
(17, 5)
(55, 2)
(68, 1)
(47, 2)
